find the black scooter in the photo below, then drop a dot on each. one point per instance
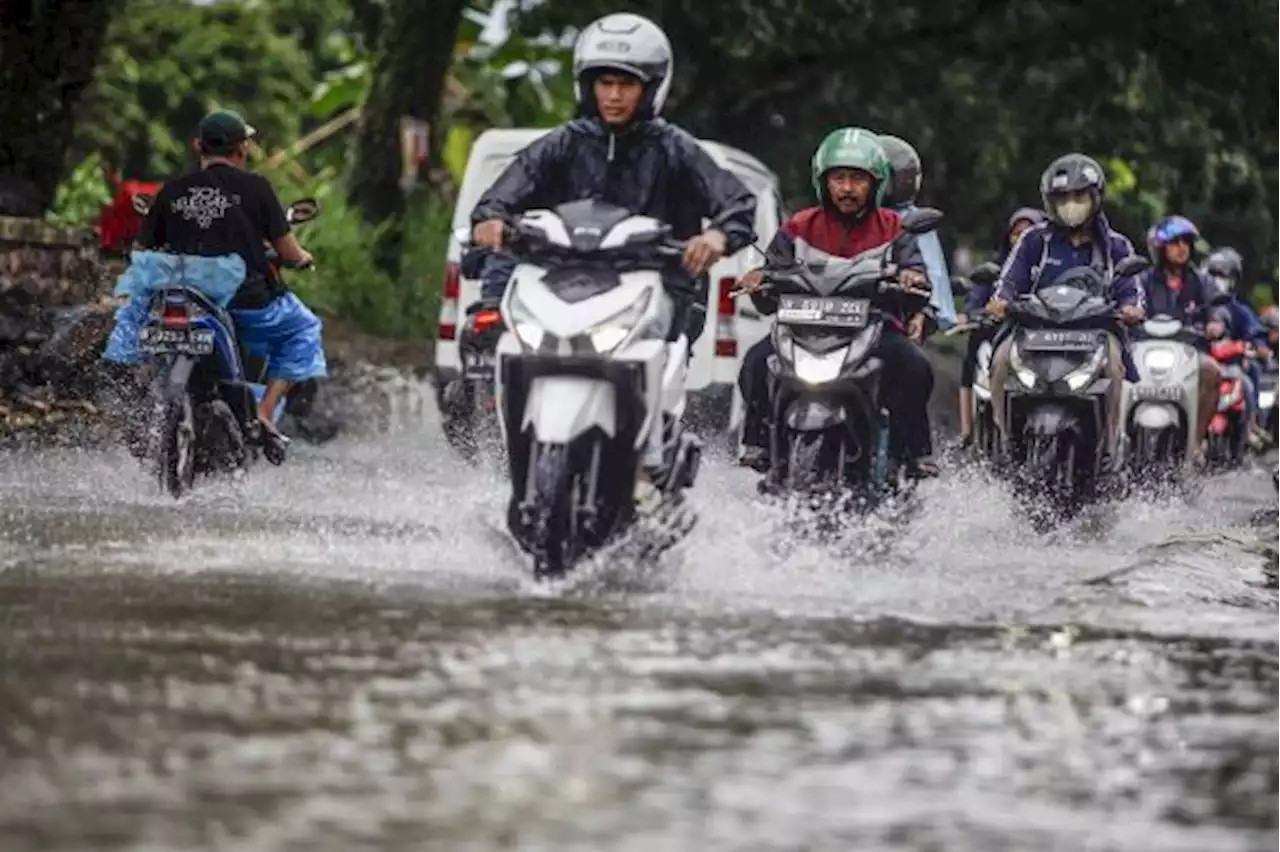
(1055, 394)
(829, 433)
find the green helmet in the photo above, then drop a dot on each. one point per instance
(852, 148)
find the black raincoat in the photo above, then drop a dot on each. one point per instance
(651, 168)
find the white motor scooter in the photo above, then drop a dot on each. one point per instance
(1160, 410)
(588, 386)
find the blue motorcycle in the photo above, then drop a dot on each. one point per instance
(201, 408)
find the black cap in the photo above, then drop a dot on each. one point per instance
(224, 127)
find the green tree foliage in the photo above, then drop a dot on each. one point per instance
(166, 64)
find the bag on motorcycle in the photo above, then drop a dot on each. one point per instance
(217, 278)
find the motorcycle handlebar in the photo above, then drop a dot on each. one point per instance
(513, 237)
(887, 284)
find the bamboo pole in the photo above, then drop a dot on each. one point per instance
(315, 137)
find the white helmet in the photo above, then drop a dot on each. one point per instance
(628, 43)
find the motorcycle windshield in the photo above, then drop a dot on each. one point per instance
(1084, 279)
(588, 221)
(1077, 295)
(577, 283)
(1158, 327)
(215, 278)
(831, 275)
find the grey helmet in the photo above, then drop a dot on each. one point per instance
(907, 173)
(1225, 270)
(1069, 173)
(630, 44)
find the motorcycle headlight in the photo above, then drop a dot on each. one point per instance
(523, 323)
(1158, 361)
(610, 334)
(784, 342)
(1020, 369)
(1081, 377)
(1266, 399)
(819, 369)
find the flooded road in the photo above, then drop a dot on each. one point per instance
(345, 654)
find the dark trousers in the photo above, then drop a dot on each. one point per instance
(905, 387)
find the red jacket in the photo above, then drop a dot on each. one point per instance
(119, 223)
(824, 230)
(817, 233)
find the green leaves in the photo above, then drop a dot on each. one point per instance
(341, 89)
(166, 64)
(81, 195)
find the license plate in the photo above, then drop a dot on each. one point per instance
(1158, 393)
(480, 367)
(836, 311)
(1060, 340)
(185, 341)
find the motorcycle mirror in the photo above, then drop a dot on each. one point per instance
(1132, 265)
(922, 220)
(987, 273)
(960, 284)
(142, 203)
(303, 210)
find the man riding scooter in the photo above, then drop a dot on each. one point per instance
(224, 210)
(1224, 269)
(851, 175)
(1176, 289)
(1076, 235)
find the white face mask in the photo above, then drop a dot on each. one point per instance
(1074, 213)
(1224, 284)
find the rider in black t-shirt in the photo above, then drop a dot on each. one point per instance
(222, 209)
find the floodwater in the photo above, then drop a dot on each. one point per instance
(346, 654)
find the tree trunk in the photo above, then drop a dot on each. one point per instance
(408, 78)
(48, 52)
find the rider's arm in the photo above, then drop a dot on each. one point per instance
(780, 254)
(151, 235)
(1246, 323)
(720, 195)
(1015, 275)
(276, 230)
(526, 182)
(975, 301)
(909, 254)
(1127, 292)
(290, 250)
